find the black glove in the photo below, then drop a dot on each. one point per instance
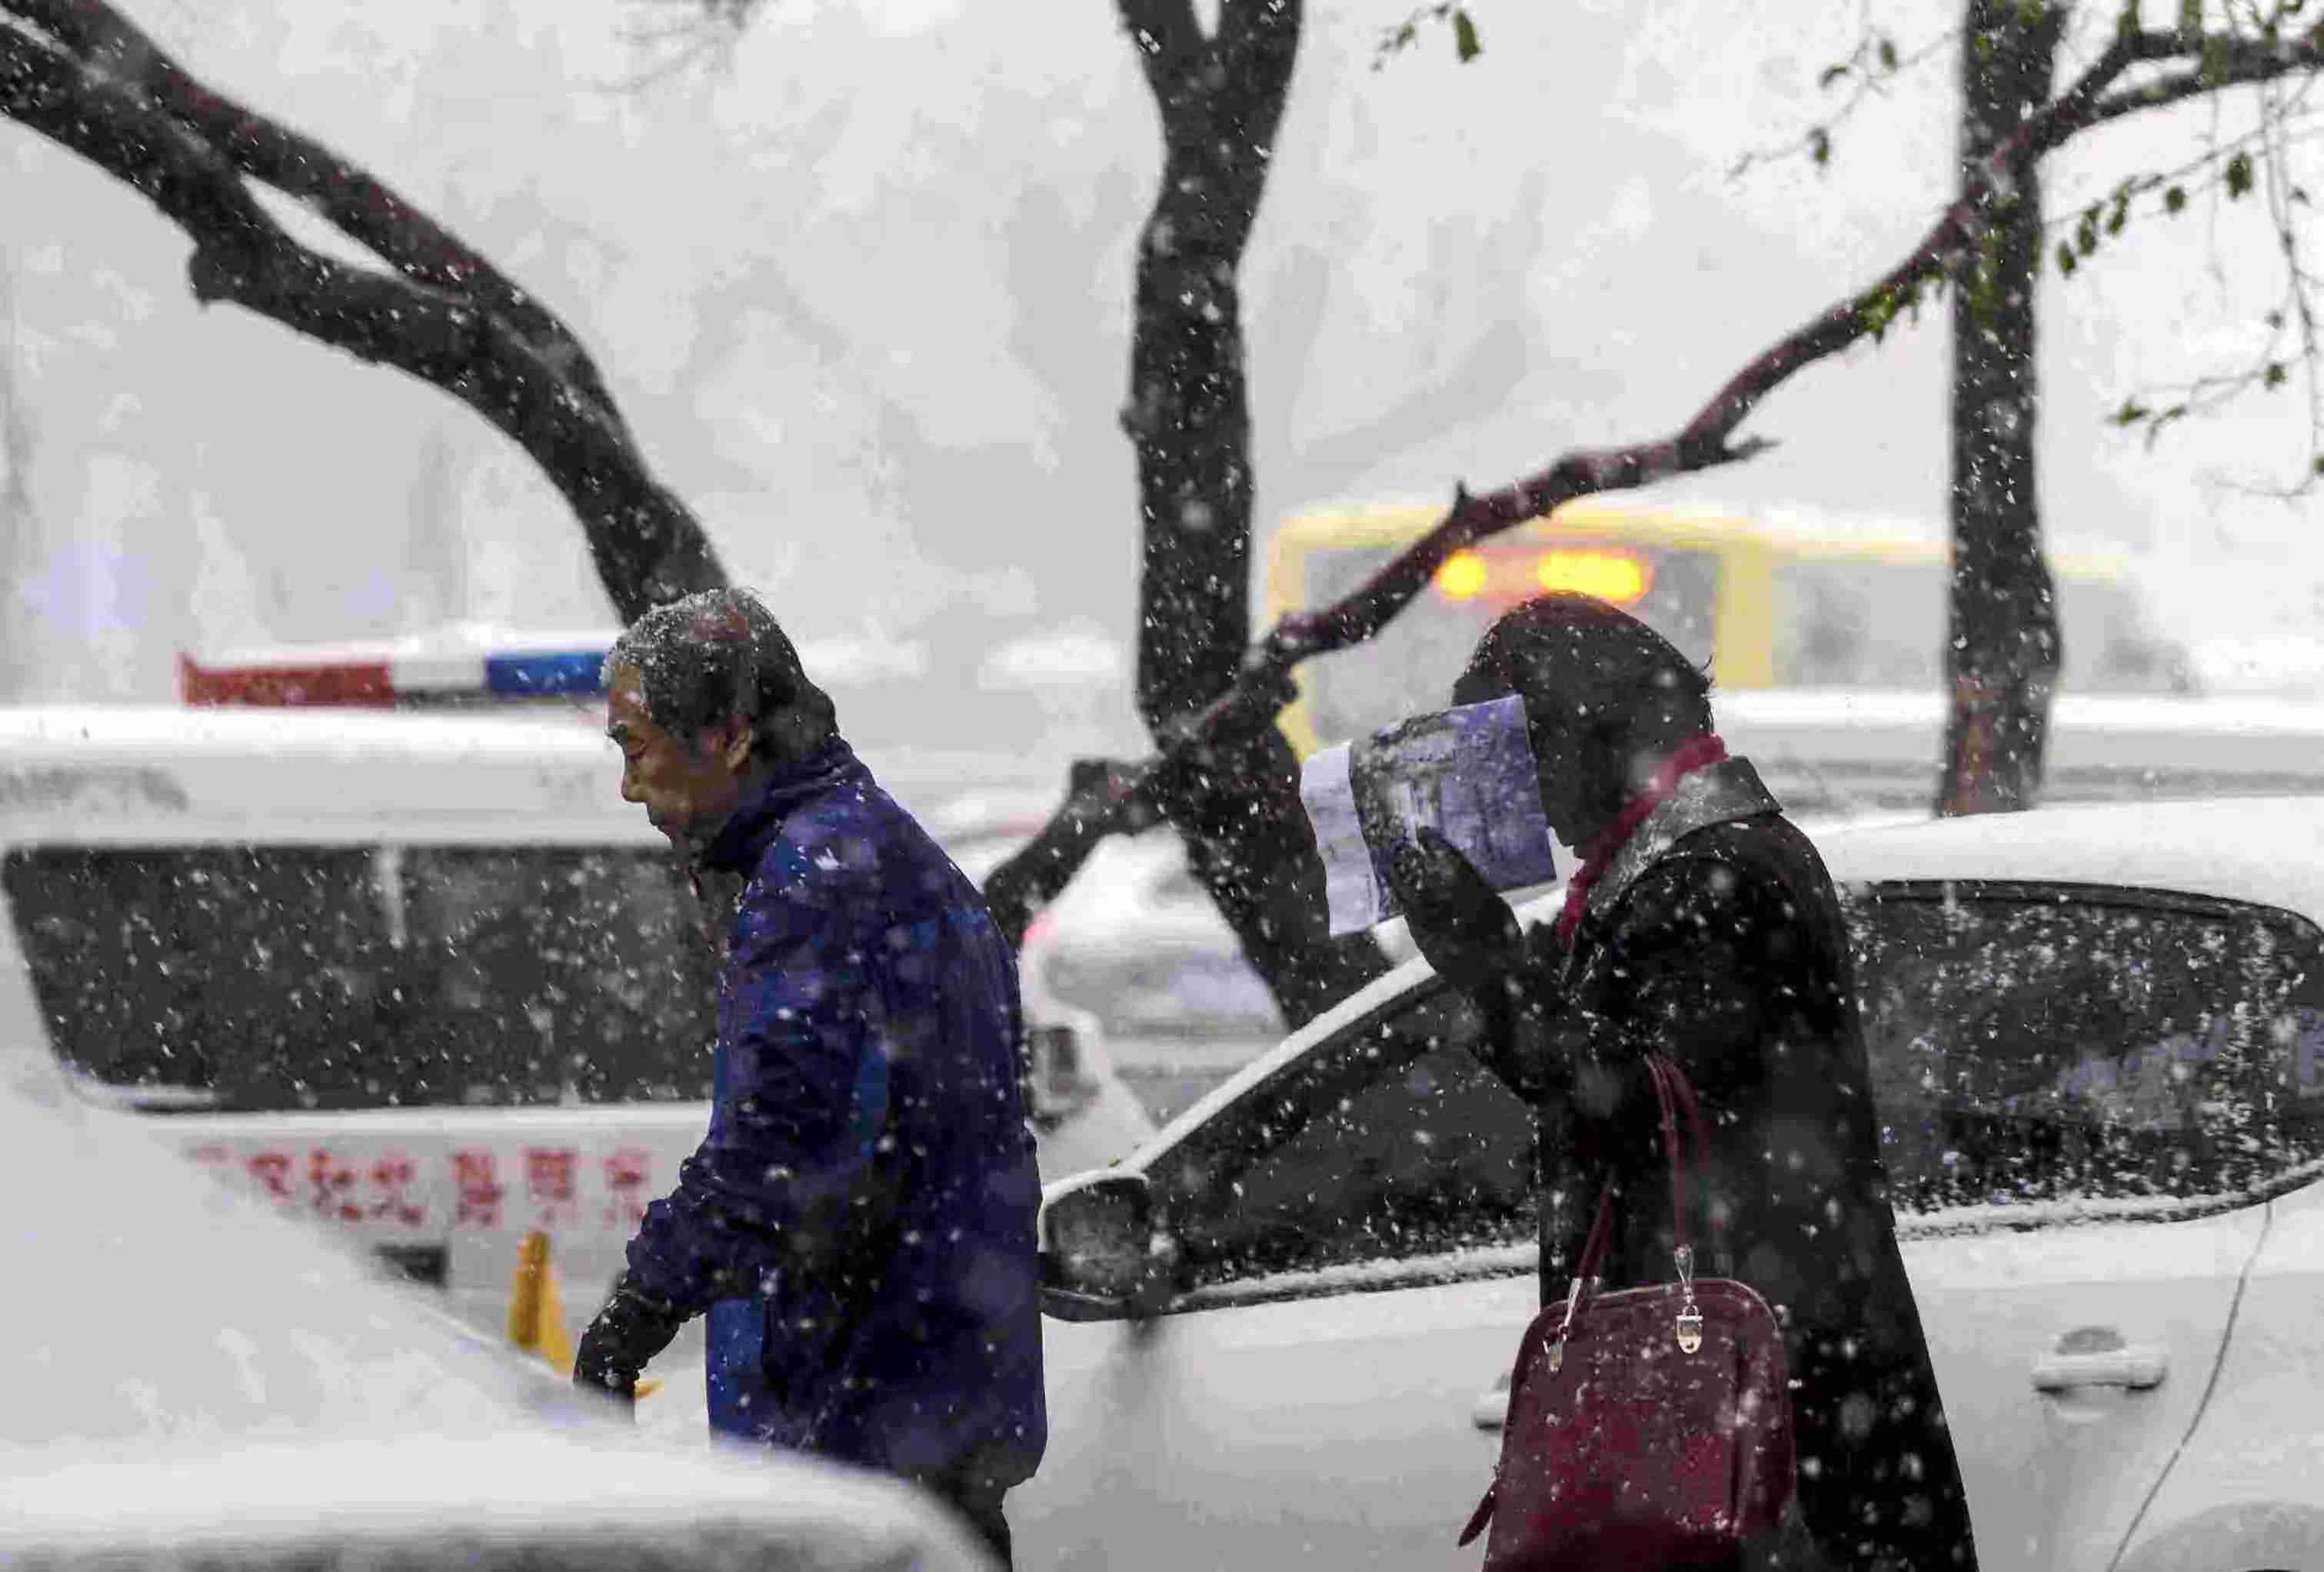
(1466, 930)
(632, 1328)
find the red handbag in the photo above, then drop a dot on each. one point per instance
(1650, 1428)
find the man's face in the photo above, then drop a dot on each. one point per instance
(687, 789)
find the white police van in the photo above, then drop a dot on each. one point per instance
(422, 975)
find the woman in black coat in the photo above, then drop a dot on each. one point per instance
(1702, 926)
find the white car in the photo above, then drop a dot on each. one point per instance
(192, 1380)
(1277, 1331)
(1136, 943)
(1135, 937)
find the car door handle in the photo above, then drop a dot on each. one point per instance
(2138, 1369)
(1491, 1410)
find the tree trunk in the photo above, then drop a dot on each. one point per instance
(1221, 98)
(2003, 645)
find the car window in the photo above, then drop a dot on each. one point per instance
(204, 968)
(553, 971)
(2033, 1044)
(1390, 1142)
(283, 978)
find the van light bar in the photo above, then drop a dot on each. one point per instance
(385, 683)
(571, 671)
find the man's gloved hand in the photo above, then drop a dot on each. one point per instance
(1464, 927)
(632, 1328)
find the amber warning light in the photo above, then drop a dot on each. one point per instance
(1463, 576)
(1612, 575)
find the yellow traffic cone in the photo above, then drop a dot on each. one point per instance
(537, 1314)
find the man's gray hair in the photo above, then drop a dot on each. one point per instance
(721, 653)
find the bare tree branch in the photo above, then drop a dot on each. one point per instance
(445, 315)
(2227, 62)
(358, 204)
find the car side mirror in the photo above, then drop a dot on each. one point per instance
(1105, 1255)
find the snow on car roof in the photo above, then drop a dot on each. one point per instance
(2109, 713)
(172, 732)
(141, 772)
(2099, 746)
(192, 1312)
(2269, 850)
(540, 1489)
(212, 1371)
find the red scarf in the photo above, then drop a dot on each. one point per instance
(1696, 753)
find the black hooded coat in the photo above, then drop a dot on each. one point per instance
(1714, 936)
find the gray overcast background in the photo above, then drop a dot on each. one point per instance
(865, 299)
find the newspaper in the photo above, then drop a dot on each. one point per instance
(1468, 773)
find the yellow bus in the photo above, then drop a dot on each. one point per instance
(1762, 601)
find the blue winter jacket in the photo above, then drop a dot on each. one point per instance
(859, 1224)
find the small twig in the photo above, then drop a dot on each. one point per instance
(1871, 76)
(2227, 62)
(2283, 108)
(2280, 208)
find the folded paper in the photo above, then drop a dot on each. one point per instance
(1468, 773)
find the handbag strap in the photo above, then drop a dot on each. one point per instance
(1676, 1099)
(1600, 1238)
(1682, 1094)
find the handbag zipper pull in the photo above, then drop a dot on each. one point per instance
(1689, 1316)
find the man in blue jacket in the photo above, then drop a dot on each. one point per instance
(859, 1222)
